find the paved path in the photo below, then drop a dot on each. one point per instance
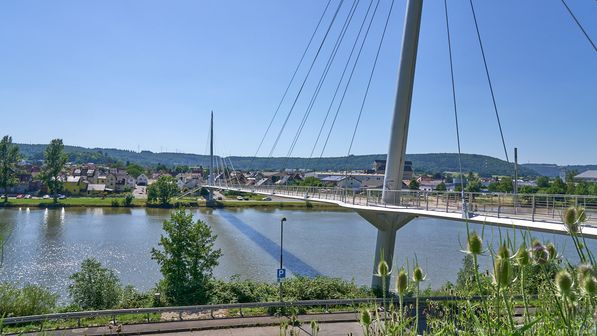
(330, 324)
(325, 329)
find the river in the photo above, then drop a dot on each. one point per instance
(45, 246)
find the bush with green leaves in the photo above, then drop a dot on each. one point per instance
(94, 287)
(28, 300)
(128, 200)
(187, 258)
(294, 289)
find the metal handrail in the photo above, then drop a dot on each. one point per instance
(546, 208)
(198, 308)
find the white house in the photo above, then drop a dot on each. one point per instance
(345, 182)
(142, 180)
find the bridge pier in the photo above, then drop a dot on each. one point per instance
(387, 224)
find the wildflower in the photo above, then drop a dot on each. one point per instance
(564, 282)
(583, 271)
(401, 282)
(503, 252)
(551, 250)
(418, 275)
(573, 217)
(502, 272)
(365, 318)
(475, 244)
(383, 270)
(539, 253)
(522, 256)
(590, 286)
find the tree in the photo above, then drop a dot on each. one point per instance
(570, 174)
(413, 185)
(187, 259)
(474, 185)
(441, 187)
(557, 187)
(506, 185)
(543, 182)
(94, 287)
(54, 161)
(162, 190)
(9, 157)
(311, 181)
(134, 170)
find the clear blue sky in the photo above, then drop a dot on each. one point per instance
(145, 74)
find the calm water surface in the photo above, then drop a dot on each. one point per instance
(46, 246)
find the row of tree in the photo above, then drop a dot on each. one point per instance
(54, 160)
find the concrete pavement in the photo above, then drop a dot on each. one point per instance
(330, 324)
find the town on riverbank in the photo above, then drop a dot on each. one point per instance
(55, 181)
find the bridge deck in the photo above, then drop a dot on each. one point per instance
(524, 211)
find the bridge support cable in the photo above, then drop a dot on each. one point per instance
(455, 107)
(324, 75)
(305, 79)
(497, 115)
(290, 82)
(337, 89)
(383, 34)
(349, 79)
(579, 25)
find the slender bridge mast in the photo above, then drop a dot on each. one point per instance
(388, 224)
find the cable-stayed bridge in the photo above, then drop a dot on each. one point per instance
(390, 207)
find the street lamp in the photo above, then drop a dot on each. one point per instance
(281, 271)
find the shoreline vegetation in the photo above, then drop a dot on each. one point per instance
(119, 202)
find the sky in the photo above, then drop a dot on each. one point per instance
(145, 74)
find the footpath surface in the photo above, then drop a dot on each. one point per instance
(330, 324)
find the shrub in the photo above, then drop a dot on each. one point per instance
(128, 200)
(94, 287)
(29, 300)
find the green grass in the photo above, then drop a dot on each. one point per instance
(190, 201)
(74, 202)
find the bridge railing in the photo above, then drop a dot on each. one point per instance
(535, 207)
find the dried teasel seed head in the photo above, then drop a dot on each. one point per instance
(564, 282)
(401, 281)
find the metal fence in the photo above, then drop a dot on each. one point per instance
(352, 305)
(534, 207)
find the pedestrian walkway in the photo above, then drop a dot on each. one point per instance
(330, 324)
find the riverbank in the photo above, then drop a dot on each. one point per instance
(96, 202)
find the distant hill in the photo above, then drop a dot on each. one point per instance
(431, 163)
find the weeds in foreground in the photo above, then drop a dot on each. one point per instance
(531, 292)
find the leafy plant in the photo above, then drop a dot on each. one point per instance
(187, 258)
(94, 287)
